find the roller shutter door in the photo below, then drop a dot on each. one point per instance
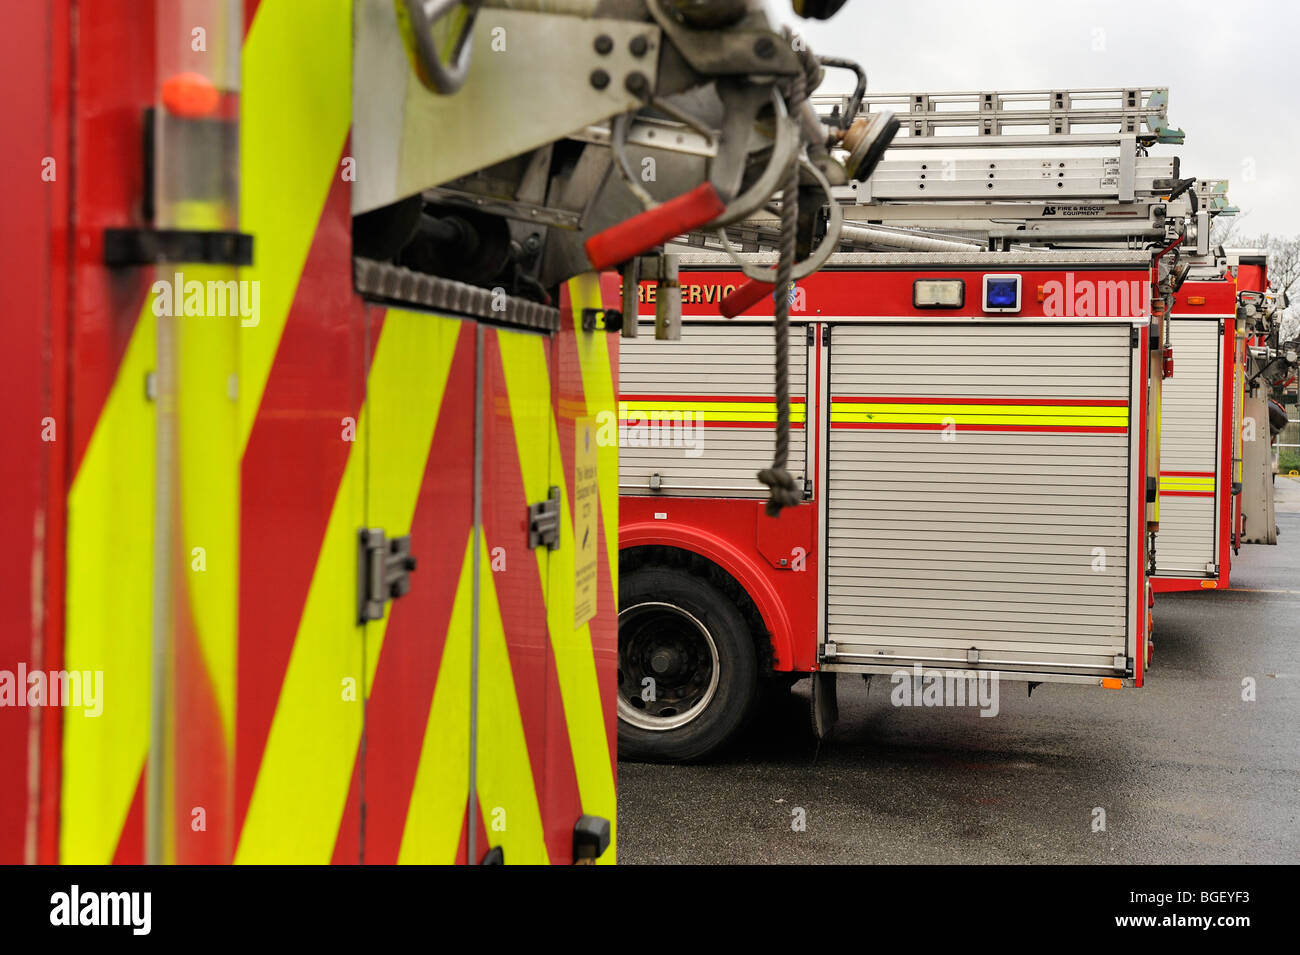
(974, 474)
(722, 378)
(1189, 452)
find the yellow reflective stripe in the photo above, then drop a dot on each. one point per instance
(763, 411)
(528, 390)
(208, 462)
(1183, 483)
(295, 109)
(436, 815)
(109, 610)
(598, 389)
(1035, 415)
(302, 783)
(506, 791)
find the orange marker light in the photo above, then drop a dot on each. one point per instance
(189, 95)
(1111, 683)
(1042, 293)
(1196, 300)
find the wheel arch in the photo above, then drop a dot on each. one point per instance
(643, 543)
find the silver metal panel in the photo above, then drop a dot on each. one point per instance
(1257, 475)
(1054, 179)
(1189, 430)
(401, 130)
(710, 364)
(988, 541)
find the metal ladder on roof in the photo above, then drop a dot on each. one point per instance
(925, 196)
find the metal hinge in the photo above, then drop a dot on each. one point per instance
(384, 566)
(544, 522)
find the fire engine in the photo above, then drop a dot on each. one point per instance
(972, 427)
(1198, 438)
(1269, 365)
(310, 342)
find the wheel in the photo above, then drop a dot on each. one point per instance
(687, 666)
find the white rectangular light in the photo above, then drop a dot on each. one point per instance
(939, 293)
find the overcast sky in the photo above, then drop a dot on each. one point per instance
(1232, 69)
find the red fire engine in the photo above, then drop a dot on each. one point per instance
(971, 434)
(1200, 439)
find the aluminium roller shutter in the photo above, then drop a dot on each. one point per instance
(989, 539)
(1189, 451)
(722, 379)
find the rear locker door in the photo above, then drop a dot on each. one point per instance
(719, 380)
(411, 776)
(1189, 458)
(977, 475)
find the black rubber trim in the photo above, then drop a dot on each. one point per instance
(154, 246)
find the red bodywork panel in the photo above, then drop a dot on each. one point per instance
(827, 295)
(741, 539)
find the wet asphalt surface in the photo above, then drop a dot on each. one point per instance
(1185, 770)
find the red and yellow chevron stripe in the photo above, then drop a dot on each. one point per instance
(470, 716)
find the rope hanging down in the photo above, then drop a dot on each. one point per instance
(783, 492)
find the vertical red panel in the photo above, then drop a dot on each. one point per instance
(35, 170)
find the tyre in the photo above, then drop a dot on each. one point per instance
(687, 666)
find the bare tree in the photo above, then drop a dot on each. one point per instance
(1226, 231)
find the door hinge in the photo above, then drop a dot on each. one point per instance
(544, 522)
(811, 337)
(384, 567)
(1134, 336)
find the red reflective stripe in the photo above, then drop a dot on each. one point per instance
(757, 399)
(130, 843)
(1055, 429)
(1048, 402)
(794, 425)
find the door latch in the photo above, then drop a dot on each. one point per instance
(384, 566)
(544, 522)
